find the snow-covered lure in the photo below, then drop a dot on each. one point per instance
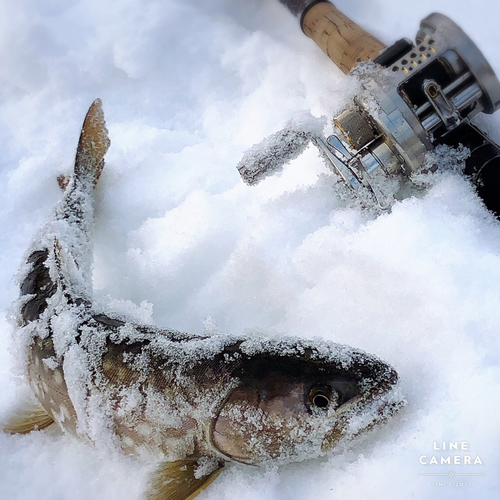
(412, 98)
(190, 402)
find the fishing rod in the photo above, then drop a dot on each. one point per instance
(414, 97)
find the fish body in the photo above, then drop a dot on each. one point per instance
(190, 402)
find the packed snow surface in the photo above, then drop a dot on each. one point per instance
(187, 87)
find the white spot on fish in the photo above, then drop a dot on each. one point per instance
(58, 377)
(57, 418)
(45, 387)
(36, 390)
(65, 414)
(129, 442)
(144, 430)
(37, 362)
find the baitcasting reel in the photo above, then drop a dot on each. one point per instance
(415, 97)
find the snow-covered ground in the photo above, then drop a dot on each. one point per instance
(187, 87)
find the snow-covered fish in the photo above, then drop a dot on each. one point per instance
(190, 402)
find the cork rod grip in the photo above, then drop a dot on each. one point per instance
(340, 38)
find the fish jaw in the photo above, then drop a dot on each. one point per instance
(284, 418)
(363, 413)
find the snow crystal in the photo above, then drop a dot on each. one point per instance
(275, 151)
(52, 363)
(205, 467)
(196, 85)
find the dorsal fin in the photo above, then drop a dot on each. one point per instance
(180, 480)
(93, 144)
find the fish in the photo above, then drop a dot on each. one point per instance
(189, 403)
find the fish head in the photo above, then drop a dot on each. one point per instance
(291, 406)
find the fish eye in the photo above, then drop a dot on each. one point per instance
(321, 401)
(322, 397)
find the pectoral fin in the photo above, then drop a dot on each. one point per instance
(183, 479)
(29, 418)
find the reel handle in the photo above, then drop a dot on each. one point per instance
(340, 38)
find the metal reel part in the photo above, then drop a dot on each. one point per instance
(415, 97)
(427, 90)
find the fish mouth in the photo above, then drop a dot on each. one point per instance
(362, 413)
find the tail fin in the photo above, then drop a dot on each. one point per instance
(93, 144)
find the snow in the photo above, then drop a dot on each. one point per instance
(187, 87)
